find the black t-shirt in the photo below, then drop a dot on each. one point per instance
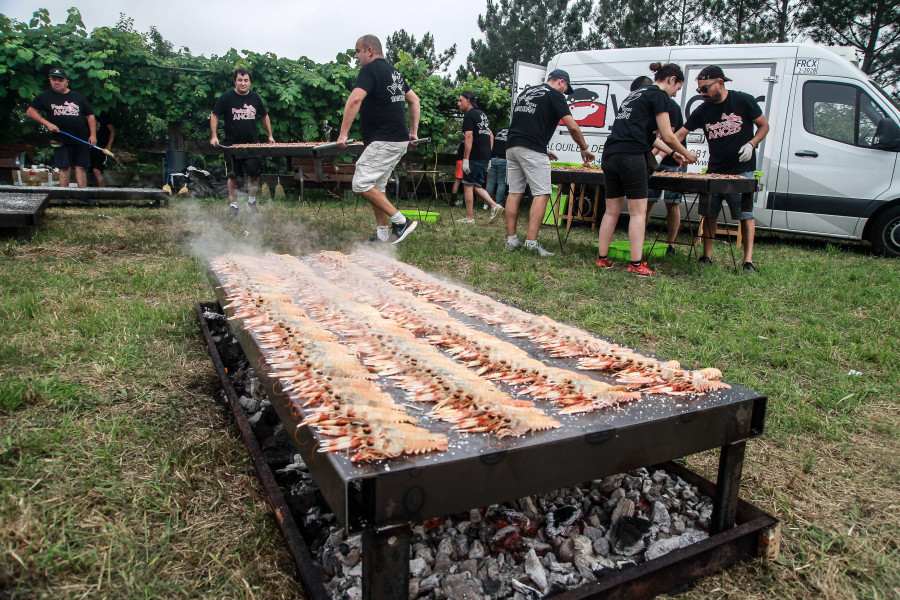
(634, 129)
(499, 149)
(67, 111)
(240, 114)
(103, 120)
(728, 126)
(383, 112)
(477, 122)
(535, 116)
(677, 121)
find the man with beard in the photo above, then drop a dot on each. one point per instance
(728, 119)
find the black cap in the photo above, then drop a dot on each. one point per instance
(560, 74)
(471, 97)
(712, 72)
(57, 72)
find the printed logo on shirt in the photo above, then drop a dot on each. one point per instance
(626, 108)
(587, 103)
(525, 101)
(484, 128)
(729, 125)
(501, 135)
(396, 88)
(66, 109)
(247, 113)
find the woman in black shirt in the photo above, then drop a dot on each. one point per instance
(644, 112)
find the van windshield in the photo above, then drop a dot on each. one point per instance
(886, 96)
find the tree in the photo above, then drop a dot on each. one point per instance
(401, 40)
(527, 30)
(869, 26)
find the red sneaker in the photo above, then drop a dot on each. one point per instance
(605, 263)
(641, 270)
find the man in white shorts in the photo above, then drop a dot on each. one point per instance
(378, 95)
(535, 116)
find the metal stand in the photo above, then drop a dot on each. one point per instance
(728, 485)
(385, 563)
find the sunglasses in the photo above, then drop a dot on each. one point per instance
(703, 89)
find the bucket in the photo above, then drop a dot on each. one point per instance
(178, 161)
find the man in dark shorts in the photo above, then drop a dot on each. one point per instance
(477, 139)
(536, 114)
(380, 96)
(68, 111)
(106, 134)
(240, 109)
(728, 119)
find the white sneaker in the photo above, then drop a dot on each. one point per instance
(513, 247)
(538, 249)
(496, 212)
(465, 220)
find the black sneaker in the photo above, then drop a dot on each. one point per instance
(401, 231)
(670, 251)
(254, 210)
(232, 211)
(705, 260)
(748, 266)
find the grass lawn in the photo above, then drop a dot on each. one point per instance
(121, 476)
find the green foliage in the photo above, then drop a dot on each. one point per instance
(524, 30)
(401, 40)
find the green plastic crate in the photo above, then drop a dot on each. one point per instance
(415, 215)
(622, 251)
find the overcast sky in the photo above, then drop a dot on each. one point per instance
(318, 29)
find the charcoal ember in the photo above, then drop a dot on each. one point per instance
(419, 568)
(659, 476)
(460, 546)
(507, 538)
(526, 506)
(461, 586)
(350, 552)
(624, 508)
(413, 588)
(705, 516)
(443, 563)
(430, 583)
(506, 516)
(249, 404)
(526, 590)
(609, 484)
(445, 546)
(475, 516)
(661, 518)
(628, 535)
(581, 544)
(566, 550)
(463, 527)
(535, 570)
(540, 548)
(476, 550)
(662, 547)
(601, 547)
(424, 552)
(678, 525)
(560, 519)
(588, 566)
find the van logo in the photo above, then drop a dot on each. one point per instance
(587, 102)
(806, 66)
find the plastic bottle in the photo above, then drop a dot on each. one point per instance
(32, 178)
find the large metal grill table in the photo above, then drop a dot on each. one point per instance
(21, 211)
(92, 193)
(381, 499)
(701, 185)
(297, 150)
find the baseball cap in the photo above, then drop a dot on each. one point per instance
(56, 72)
(712, 72)
(560, 74)
(471, 97)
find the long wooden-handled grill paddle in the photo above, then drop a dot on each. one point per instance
(103, 150)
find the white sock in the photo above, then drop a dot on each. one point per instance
(512, 239)
(398, 218)
(251, 199)
(530, 243)
(383, 231)
(234, 204)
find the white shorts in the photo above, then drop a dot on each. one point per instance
(375, 165)
(525, 166)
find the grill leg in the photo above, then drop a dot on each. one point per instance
(728, 486)
(385, 569)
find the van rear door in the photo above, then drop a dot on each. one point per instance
(833, 174)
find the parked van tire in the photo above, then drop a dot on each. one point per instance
(885, 235)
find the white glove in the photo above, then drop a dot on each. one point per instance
(746, 152)
(466, 165)
(659, 158)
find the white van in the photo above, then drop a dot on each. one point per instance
(830, 161)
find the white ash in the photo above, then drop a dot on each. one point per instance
(529, 548)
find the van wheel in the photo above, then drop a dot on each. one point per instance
(885, 235)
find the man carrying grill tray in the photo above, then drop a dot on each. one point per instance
(380, 96)
(240, 109)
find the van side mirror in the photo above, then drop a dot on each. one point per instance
(887, 136)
